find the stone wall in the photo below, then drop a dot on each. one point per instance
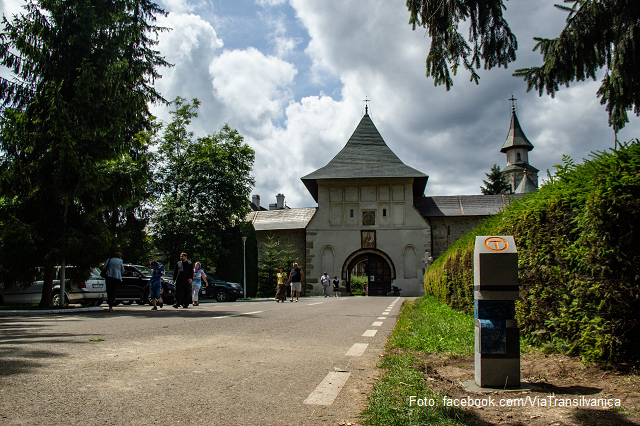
(446, 230)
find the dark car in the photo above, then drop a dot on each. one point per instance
(220, 290)
(135, 286)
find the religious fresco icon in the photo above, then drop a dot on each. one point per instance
(368, 239)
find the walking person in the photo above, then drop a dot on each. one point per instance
(114, 268)
(155, 285)
(196, 285)
(295, 279)
(326, 281)
(281, 288)
(183, 277)
(336, 286)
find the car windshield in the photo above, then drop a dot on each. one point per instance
(145, 271)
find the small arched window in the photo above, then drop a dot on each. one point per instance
(518, 157)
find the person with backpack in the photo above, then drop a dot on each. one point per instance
(155, 285)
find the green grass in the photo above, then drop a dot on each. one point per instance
(425, 325)
(390, 403)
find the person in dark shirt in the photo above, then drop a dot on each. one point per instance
(295, 279)
(182, 277)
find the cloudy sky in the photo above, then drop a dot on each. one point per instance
(291, 77)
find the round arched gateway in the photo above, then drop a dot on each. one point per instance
(375, 265)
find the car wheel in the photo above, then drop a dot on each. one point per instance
(222, 296)
(146, 298)
(55, 299)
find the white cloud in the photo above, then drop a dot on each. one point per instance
(253, 87)
(271, 3)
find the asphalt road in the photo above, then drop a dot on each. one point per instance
(310, 362)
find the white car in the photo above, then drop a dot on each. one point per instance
(89, 292)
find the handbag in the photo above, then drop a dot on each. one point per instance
(103, 269)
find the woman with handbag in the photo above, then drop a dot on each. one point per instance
(113, 269)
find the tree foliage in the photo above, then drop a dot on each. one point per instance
(598, 34)
(578, 259)
(496, 184)
(203, 185)
(492, 42)
(274, 254)
(70, 142)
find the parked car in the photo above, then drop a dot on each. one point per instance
(135, 286)
(220, 290)
(87, 292)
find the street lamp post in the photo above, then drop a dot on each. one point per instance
(244, 265)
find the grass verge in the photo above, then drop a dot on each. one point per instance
(401, 396)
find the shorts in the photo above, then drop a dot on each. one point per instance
(154, 292)
(296, 286)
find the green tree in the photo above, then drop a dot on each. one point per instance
(231, 258)
(496, 184)
(598, 34)
(70, 138)
(274, 255)
(203, 185)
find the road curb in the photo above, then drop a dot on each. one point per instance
(49, 311)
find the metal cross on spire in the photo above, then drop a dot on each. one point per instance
(366, 104)
(513, 103)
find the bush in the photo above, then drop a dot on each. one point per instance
(578, 258)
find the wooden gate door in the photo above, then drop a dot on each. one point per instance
(379, 274)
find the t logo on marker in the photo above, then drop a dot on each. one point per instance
(496, 244)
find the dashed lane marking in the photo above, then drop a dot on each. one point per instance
(328, 389)
(376, 324)
(370, 333)
(357, 349)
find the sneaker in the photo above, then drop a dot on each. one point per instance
(175, 306)
(161, 305)
(154, 308)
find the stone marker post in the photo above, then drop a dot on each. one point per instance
(497, 338)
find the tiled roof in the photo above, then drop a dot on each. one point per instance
(267, 220)
(526, 186)
(516, 137)
(464, 205)
(366, 155)
(522, 167)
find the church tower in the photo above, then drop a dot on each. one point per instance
(522, 177)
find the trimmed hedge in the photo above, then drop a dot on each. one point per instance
(578, 258)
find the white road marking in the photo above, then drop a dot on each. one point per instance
(241, 313)
(317, 303)
(328, 389)
(357, 349)
(376, 324)
(370, 333)
(382, 318)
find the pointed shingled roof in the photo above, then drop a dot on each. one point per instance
(516, 137)
(366, 155)
(526, 186)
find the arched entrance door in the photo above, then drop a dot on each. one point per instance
(376, 266)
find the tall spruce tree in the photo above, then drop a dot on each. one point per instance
(496, 184)
(598, 34)
(70, 137)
